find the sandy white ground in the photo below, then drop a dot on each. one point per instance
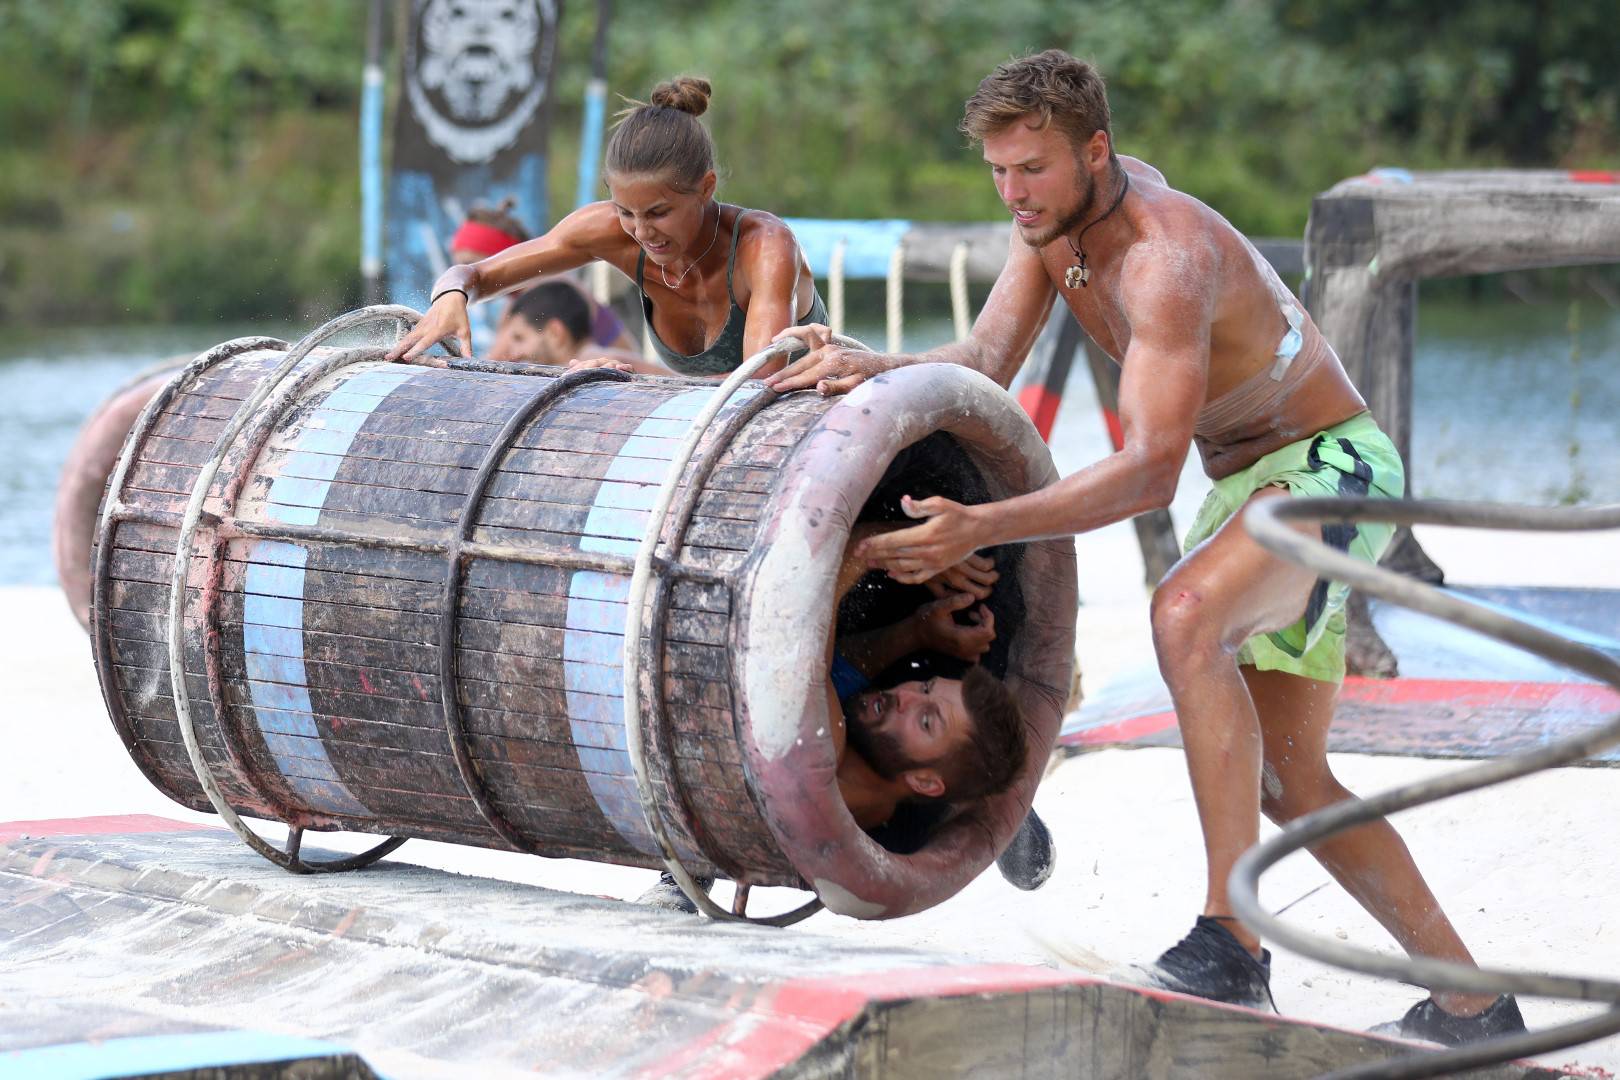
(1530, 872)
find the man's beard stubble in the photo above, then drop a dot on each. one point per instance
(879, 749)
(1069, 222)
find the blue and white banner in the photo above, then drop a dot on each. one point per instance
(471, 128)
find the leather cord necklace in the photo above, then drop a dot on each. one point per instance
(1075, 277)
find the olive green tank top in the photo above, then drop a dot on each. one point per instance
(726, 354)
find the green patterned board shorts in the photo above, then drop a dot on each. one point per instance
(1351, 459)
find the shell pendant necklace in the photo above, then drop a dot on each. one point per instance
(1076, 276)
(682, 277)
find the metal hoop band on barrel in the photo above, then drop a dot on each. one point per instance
(189, 524)
(455, 556)
(672, 537)
(113, 512)
(635, 606)
(1268, 521)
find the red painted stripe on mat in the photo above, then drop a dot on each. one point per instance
(1474, 693)
(1120, 730)
(788, 1019)
(94, 826)
(1365, 691)
(1594, 176)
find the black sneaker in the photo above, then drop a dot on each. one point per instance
(1211, 963)
(1029, 859)
(667, 894)
(1430, 1023)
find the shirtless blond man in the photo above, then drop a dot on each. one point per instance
(1215, 353)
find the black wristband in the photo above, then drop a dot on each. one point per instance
(447, 292)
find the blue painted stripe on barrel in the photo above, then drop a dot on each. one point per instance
(597, 648)
(613, 787)
(593, 639)
(275, 667)
(594, 678)
(279, 611)
(312, 466)
(599, 736)
(273, 640)
(636, 469)
(273, 587)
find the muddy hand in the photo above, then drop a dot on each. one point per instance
(938, 629)
(912, 556)
(974, 574)
(447, 318)
(829, 367)
(602, 362)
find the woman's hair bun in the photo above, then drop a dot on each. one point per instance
(688, 93)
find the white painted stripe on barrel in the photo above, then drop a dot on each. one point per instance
(593, 661)
(273, 592)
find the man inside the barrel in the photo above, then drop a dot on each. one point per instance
(909, 751)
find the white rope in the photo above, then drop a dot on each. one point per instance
(897, 268)
(599, 282)
(835, 287)
(960, 313)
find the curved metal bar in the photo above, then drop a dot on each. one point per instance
(242, 450)
(113, 511)
(449, 675)
(1268, 522)
(635, 606)
(672, 535)
(177, 595)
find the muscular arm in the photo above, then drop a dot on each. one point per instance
(768, 260)
(1001, 337)
(1169, 303)
(1168, 297)
(588, 233)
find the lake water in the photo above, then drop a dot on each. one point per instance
(1512, 402)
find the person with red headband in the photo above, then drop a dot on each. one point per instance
(717, 282)
(487, 231)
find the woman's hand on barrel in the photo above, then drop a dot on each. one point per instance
(912, 556)
(973, 575)
(447, 318)
(830, 367)
(602, 362)
(937, 628)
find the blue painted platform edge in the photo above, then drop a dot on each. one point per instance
(146, 1055)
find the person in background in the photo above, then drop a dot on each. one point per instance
(551, 324)
(491, 230)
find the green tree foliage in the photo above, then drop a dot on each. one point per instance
(1527, 82)
(165, 159)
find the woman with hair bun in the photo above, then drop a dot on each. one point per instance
(717, 282)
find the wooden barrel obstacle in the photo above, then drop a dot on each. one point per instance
(402, 596)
